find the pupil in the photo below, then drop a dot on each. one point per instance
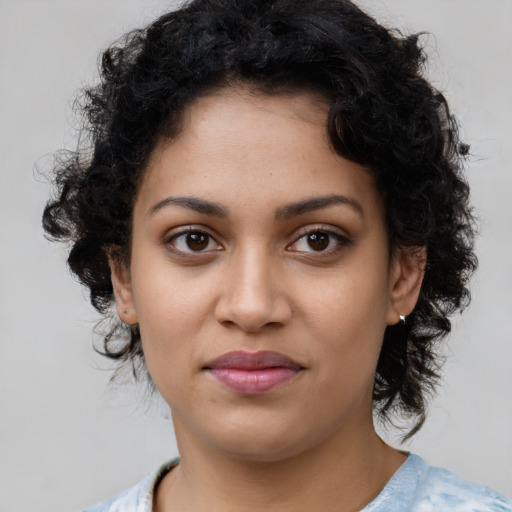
(197, 241)
(318, 241)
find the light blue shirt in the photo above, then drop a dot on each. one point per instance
(415, 487)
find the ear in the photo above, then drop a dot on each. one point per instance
(121, 282)
(407, 271)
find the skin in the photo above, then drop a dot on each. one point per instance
(259, 284)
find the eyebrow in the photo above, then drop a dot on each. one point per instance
(192, 203)
(206, 207)
(317, 203)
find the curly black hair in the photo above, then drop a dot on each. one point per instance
(383, 115)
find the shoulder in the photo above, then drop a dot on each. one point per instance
(138, 498)
(418, 487)
(439, 489)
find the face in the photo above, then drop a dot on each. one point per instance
(260, 278)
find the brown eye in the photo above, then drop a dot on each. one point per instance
(194, 242)
(197, 241)
(321, 241)
(318, 241)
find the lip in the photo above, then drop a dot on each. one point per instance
(253, 373)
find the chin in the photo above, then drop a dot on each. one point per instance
(264, 451)
(267, 441)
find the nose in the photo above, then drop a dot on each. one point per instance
(253, 297)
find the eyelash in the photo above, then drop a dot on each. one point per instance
(340, 240)
(170, 241)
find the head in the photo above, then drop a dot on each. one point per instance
(317, 65)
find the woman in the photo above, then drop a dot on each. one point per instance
(273, 201)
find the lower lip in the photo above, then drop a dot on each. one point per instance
(253, 382)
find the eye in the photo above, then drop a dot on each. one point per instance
(319, 241)
(193, 241)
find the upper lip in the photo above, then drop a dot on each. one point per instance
(243, 360)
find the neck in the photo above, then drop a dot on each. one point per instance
(335, 475)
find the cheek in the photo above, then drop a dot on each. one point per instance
(165, 294)
(346, 314)
(347, 301)
(172, 310)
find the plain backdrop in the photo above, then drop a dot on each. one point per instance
(67, 439)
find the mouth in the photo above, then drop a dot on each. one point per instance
(253, 373)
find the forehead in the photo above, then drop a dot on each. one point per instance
(238, 145)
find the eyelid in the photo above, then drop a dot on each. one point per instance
(342, 239)
(185, 230)
(325, 228)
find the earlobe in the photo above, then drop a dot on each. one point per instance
(121, 283)
(408, 269)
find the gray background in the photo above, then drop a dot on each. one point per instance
(66, 438)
